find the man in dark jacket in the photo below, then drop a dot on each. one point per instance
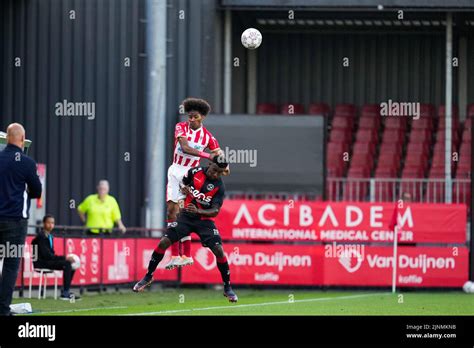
(48, 259)
(18, 184)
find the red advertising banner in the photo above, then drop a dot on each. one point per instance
(332, 265)
(118, 260)
(89, 251)
(258, 264)
(361, 265)
(145, 247)
(340, 221)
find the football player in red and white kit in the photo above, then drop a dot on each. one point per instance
(191, 139)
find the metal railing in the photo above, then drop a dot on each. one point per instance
(389, 190)
(81, 231)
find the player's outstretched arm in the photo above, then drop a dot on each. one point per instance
(191, 151)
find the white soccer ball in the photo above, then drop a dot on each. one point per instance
(77, 261)
(251, 38)
(468, 287)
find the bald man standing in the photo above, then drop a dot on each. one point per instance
(18, 184)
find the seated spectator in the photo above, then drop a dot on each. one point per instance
(48, 259)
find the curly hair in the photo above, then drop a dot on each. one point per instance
(196, 104)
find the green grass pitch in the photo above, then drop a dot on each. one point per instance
(191, 301)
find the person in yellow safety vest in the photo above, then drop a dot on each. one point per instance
(100, 211)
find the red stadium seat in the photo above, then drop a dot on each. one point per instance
(467, 135)
(292, 109)
(465, 147)
(468, 123)
(337, 148)
(413, 171)
(370, 110)
(427, 110)
(420, 136)
(413, 148)
(393, 136)
(395, 123)
(415, 160)
(385, 172)
(348, 110)
(424, 123)
(340, 135)
(390, 148)
(364, 148)
(319, 109)
(366, 136)
(341, 122)
(369, 123)
(470, 110)
(363, 160)
(267, 108)
(390, 160)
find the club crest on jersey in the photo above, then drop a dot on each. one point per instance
(210, 187)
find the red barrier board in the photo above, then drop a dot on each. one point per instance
(118, 260)
(145, 247)
(417, 266)
(325, 265)
(340, 221)
(258, 264)
(89, 251)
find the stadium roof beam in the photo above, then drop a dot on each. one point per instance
(353, 22)
(352, 5)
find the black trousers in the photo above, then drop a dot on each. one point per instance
(12, 238)
(61, 265)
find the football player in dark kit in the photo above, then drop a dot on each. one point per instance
(204, 190)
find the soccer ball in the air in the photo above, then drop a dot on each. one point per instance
(77, 261)
(251, 38)
(468, 287)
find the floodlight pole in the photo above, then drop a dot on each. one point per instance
(155, 162)
(448, 109)
(227, 62)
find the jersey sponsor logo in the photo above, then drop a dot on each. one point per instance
(200, 196)
(216, 231)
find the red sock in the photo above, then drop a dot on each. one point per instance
(186, 248)
(175, 249)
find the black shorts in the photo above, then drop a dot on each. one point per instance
(184, 226)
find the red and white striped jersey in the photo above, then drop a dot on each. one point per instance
(199, 139)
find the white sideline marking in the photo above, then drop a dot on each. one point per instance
(81, 310)
(259, 304)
